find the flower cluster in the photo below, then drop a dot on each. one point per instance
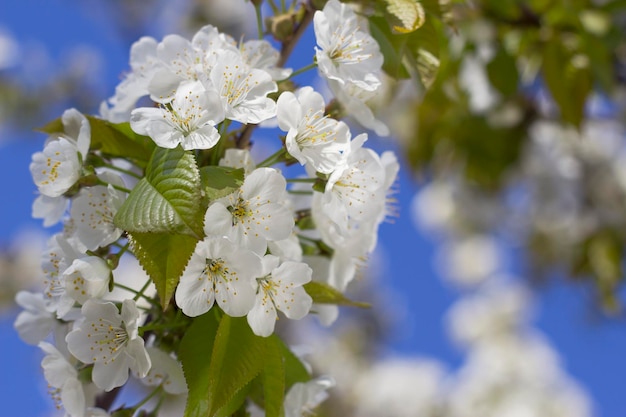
(174, 185)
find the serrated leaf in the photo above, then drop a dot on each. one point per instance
(273, 377)
(164, 257)
(325, 294)
(238, 357)
(218, 182)
(405, 16)
(195, 355)
(166, 200)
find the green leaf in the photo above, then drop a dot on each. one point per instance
(295, 371)
(195, 356)
(568, 78)
(502, 72)
(273, 377)
(325, 294)
(119, 140)
(55, 126)
(167, 199)
(238, 357)
(408, 54)
(220, 181)
(164, 257)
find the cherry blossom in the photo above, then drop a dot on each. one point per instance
(346, 52)
(188, 120)
(279, 288)
(312, 137)
(218, 271)
(110, 340)
(255, 213)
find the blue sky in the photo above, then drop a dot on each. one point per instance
(592, 348)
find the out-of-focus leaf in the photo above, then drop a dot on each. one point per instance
(408, 54)
(502, 72)
(405, 16)
(568, 78)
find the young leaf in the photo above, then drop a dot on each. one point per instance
(119, 140)
(166, 200)
(238, 357)
(195, 355)
(325, 294)
(273, 377)
(164, 257)
(220, 181)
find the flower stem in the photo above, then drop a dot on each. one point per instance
(141, 291)
(259, 20)
(273, 159)
(122, 170)
(148, 299)
(117, 187)
(300, 192)
(303, 69)
(307, 180)
(148, 397)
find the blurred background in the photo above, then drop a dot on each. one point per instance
(496, 286)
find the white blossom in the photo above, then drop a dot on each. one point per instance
(37, 320)
(354, 100)
(238, 158)
(50, 209)
(62, 377)
(279, 288)
(218, 271)
(93, 210)
(253, 214)
(59, 165)
(188, 120)
(165, 371)
(87, 277)
(303, 397)
(260, 54)
(243, 90)
(312, 137)
(111, 342)
(357, 189)
(347, 52)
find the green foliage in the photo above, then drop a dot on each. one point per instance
(221, 359)
(166, 199)
(325, 294)
(118, 140)
(112, 139)
(164, 257)
(219, 181)
(195, 356)
(568, 78)
(410, 53)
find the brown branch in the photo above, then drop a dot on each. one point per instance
(106, 399)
